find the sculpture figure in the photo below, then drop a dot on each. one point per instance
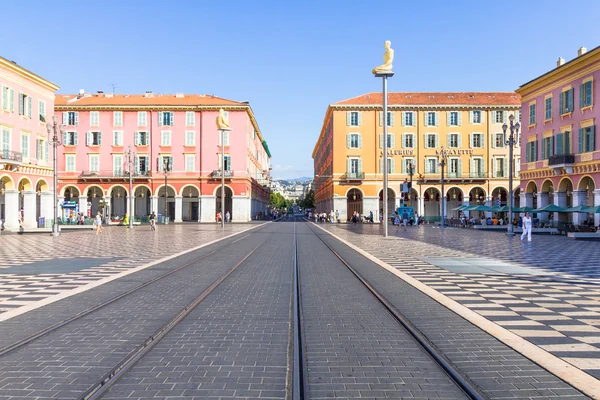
(388, 58)
(222, 123)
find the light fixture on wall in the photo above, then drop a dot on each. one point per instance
(190, 193)
(454, 194)
(354, 196)
(39, 192)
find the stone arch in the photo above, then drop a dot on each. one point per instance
(86, 191)
(531, 187)
(7, 182)
(41, 185)
(354, 202)
(353, 188)
(476, 193)
(190, 208)
(547, 186)
(455, 187)
(115, 186)
(24, 184)
(136, 190)
(586, 182)
(564, 184)
(184, 193)
(171, 187)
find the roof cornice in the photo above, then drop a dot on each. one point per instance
(17, 69)
(410, 107)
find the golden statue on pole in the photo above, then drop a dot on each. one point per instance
(388, 58)
(222, 123)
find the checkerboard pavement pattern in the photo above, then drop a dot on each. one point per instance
(35, 267)
(547, 291)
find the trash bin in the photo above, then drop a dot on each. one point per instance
(41, 222)
(166, 220)
(159, 218)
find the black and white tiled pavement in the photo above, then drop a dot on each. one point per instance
(547, 291)
(34, 268)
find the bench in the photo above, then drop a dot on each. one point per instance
(584, 235)
(491, 227)
(552, 231)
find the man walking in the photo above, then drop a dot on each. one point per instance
(526, 227)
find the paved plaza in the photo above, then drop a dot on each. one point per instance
(546, 291)
(37, 269)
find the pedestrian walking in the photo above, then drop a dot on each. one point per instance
(405, 220)
(98, 223)
(227, 216)
(153, 222)
(397, 222)
(337, 216)
(526, 227)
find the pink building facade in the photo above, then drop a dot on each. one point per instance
(560, 153)
(102, 132)
(26, 178)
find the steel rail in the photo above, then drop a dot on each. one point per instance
(299, 387)
(46, 331)
(463, 382)
(100, 388)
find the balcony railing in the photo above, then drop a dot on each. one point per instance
(112, 174)
(219, 173)
(354, 175)
(454, 174)
(477, 174)
(9, 155)
(561, 159)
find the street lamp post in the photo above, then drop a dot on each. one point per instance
(54, 129)
(512, 140)
(443, 154)
(166, 172)
(130, 156)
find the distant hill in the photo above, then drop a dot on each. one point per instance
(301, 179)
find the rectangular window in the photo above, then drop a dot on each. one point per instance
(118, 118)
(5, 97)
(142, 165)
(585, 94)
(142, 118)
(587, 139)
(476, 117)
(94, 138)
(165, 138)
(453, 140)
(94, 163)
(165, 118)
(477, 168)
(547, 147)
(477, 140)
(42, 111)
(407, 163)
(409, 140)
(499, 139)
(190, 138)
(354, 168)
(118, 165)
(226, 139)
(141, 138)
(431, 165)
(227, 163)
(71, 118)
(118, 138)
(94, 118)
(190, 162)
(566, 101)
(390, 141)
(6, 139)
(354, 141)
(532, 114)
(499, 117)
(548, 109)
(165, 162)
(190, 118)
(390, 118)
(531, 152)
(25, 105)
(431, 120)
(518, 113)
(453, 167)
(25, 145)
(431, 140)
(70, 138)
(70, 162)
(408, 118)
(500, 171)
(453, 118)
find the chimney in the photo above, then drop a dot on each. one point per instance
(179, 95)
(560, 61)
(148, 94)
(582, 50)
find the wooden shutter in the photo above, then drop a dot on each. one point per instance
(29, 100)
(493, 142)
(65, 118)
(76, 141)
(359, 113)
(403, 116)
(381, 165)
(592, 144)
(100, 139)
(88, 140)
(571, 95)
(360, 141)
(348, 166)
(380, 118)
(360, 166)
(581, 140)
(448, 139)
(348, 140)
(160, 118)
(437, 118)
(392, 166)
(448, 114)
(392, 118)
(404, 140)
(392, 140)
(425, 141)
(437, 141)
(459, 169)
(348, 118)
(459, 118)
(76, 118)
(460, 140)
(381, 140)
(559, 144)
(581, 96)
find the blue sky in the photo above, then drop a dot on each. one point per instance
(292, 59)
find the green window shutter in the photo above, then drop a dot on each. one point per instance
(393, 167)
(392, 117)
(380, 118)
(581, 140)
(160, 118)
(448, 113)
(88, 139)
(65, 138)
(29, 107)
(505, 169)
(493, 141)
(588, 93)
(65, 118)
(459, 140)
(551, 147)
(359, 118)
(381, 165)
(348, 165)
(403, 117)
(471, 140)
(535, 150)
(571, 94)
(581, 96)
(404, 140)
(76, 141)
(592, 143)
(348, 118)
(559, 144)
(360, 170)
(403, 166)
(437, 118)
(561, 107)
(100, 138)
(359, 141)
(472, 167)
(459, 169)
(76, 118)
(482, 140)
(527, 152)
(393, 141)
(471, 116)
(504, 116)
(437, 141)
(381, 140)
(348, 140)
(494, 167)
(544, 148)
(137, 138)
(425, 141)
(459, 118)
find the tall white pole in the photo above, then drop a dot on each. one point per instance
(130, 162)
(55, 222)
(385, 159)
(222, 179)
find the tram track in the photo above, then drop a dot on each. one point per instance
(63, 323)
(465, 385)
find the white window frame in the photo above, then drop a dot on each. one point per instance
(189, 157)
(435, 162)
(71, 135)
(450, 161)
(405, 138)
(481, 140)
(453, 135)
(427, 120)
(481, 171)
(190, 118)
(117, 166)
(68, 158)
(501, 136)
(90, 138)
(405, 162)
(501, 115)
(457, 117)
(94, 157)
(138, 136)
(138, 161)
(25, 149)
(430, 135)
(165, 135)
(142, 118)
(226, 139)
(406, 117)
(42, 111)
(6, 143)
(474, 113)
(352, 136)
(119, 135)
(190, 135)
(117, 118)
(95, 118)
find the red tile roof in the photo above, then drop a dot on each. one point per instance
(435, 98)
(142, 100)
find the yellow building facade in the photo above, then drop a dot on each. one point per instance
(348, 156)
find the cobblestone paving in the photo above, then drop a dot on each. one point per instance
(498, 370)
(35, 267)
(354, 349)
(547, 291)
(234, 344)
(67, 362)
